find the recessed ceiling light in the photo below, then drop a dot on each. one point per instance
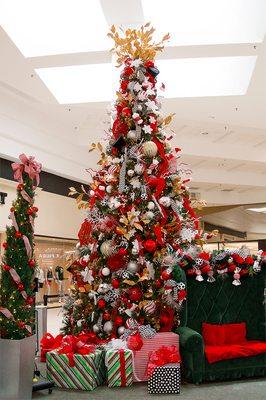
(258, 210)
(44, 27)
(210, 76)
(204, 133)
(194, 22)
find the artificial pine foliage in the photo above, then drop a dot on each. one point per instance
(139, 216)
(17, 297)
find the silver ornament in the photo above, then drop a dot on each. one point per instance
(132, 267)
(165, 201)
(105, 271)
(108, 327)
(132, 135)
(96, 328)
(139, 168)
(121, 330)
(149, 215)
(109, 188)
(130, 172)
(151, 205)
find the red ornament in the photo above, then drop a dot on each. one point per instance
(106, 316)
(30, 300)
(18, 235)
(119, 321)
(20, 286)
(249, 260)
(149, 63)
(4, 245)
(205, 269)
(21, 324)
(101, 303)
(35, 209)
(124, 85)
(135, 342)
(135, 294)
(83, 262)
(126, 112)
(150, 245)
(31, 263)
(182, 294)
(12, 209)
(122, 251)
(165, 275)
(6, 267)
(20, 186)
(158, 283)
(115, 283)
(128, 71)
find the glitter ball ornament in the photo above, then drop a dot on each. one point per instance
(135, 294)
(106, 271)
(149, 149)
(121, 330)
(108, 327)
(149, 215)
(150, 245)
(151, 205)
(101, 303)
(109, 188)
(132, 135)
(107, 248)
(96, 328)
(119, 321)
(132, 267)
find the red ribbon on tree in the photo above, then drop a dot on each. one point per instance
(29, 166)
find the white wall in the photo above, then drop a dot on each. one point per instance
(58, 215)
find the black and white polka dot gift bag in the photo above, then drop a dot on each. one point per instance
(165, 379)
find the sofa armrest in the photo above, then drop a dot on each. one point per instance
(192, 353)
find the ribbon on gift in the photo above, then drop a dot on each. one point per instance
(49, 343)
(164, 355)
(133, 327)
(121, 346)
(29, 166)
(72, 345)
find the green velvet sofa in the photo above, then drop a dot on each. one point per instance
(220, 303)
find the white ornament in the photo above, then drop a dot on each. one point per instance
(92, 193)
(101, 187)
(109, 188)
(165, 201)
(149, 215)
(149, 149)
(96, 328)
(139, 168)
(130, 172)
(151, 205)
(147, 129)
(107, 248)
(105, 271)
(132, 266)
(135, 183)
(121, 330)
(108, 327)
(103, 288)
(78, 245)
(132, 135)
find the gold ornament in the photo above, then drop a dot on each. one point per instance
(149, 149)
(107, 248)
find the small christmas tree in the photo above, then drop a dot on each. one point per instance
(139, 215)
(17, 301)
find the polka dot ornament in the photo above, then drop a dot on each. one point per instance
(165, 380)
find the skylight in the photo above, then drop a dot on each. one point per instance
(202, 22)
(188, 77)
(80, 83)
(44, 27)
(212, 76)
(258, 210)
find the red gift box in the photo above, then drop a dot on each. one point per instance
(141, 357)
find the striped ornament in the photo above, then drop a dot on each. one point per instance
(87, 374)
(117, 374)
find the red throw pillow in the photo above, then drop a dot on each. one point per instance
(235, 333)
(213, 334)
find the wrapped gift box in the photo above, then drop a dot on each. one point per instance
(119, 365)
(87, 373)
(141, 357)
(165, 379)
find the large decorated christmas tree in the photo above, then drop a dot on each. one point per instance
(17, 295)
(139, 215)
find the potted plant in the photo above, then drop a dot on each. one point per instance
(17, 290)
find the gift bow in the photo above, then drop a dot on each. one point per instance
(29, 166)
(164, 355)
(145, 331)
(72, 345)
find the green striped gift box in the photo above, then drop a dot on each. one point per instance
(87, 374)
(119, 365)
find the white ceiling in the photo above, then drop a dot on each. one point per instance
(223, 138)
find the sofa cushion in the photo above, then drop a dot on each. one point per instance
(213, 334)
(249, 348)
(234, 333)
